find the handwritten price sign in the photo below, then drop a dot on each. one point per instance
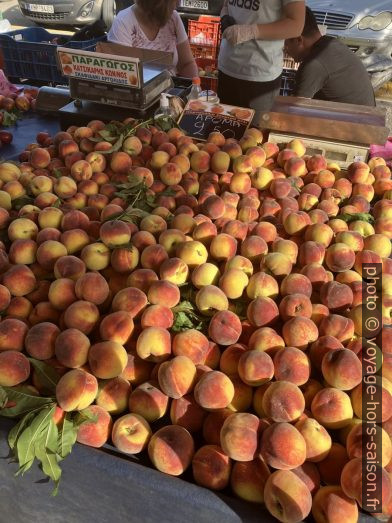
(199, 119)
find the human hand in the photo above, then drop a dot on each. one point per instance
(238, 34)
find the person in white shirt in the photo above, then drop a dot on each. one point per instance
(250, 60)
(154, 24)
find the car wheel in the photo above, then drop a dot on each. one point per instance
(108, 12)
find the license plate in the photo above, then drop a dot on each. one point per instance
(194, 4)
(38, 8)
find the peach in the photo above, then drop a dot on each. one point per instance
(341, 369)
(71, 348)
(163, 293)
(309, 474)
(140, 279)
(148, 401)
(223, 247)
(318, 441)
(283, 401)
(39, 158)
(220, 162)
(14, 368)
(248, 480)
(286, 247)
(81, 315)
(243, 395)
(154, 344)
(338, 326)
(296, 283)
(206, 274)
(330, 504)
(295, 305)
(210, 299)
(211, 467)
(114, 233)
(5, 298)
(336, 296)
(74, 240)
(332, 408)
(131, 433)
(382, 387)
(62, 293)
(40, 340)
(157, 316)
(265, 339)
(191, 343)
(295, 167)
(255, 367)
(322, 346)
(193, 253)
(96, 432)
(282, 446)
(177, 376)
(291, 364)
(311, 252)
(20, 308)
(225, 328)
(212, 425)
(378, 243)
(187, 413)
(22, 229)
(153, 223)
(12, 334)
(69, 267)
(299, 332)
(262, 311)
(125, 259)
(233, 282)
(44, 311)
(113, 395)
(76, 390)
(262, 285)
(171, 449)
(23, 252)
(239, 436)
(214, 391)
(361, 437)
(316, 274)
(95, 256)
(49, 252)
(200, 161)
(296, 222)
(204, 232)
(130, 299)
(331, 466)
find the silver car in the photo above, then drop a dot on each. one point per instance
(365, 26)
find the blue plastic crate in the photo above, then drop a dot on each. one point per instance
(29, 53)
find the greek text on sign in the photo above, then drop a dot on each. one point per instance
(99, 67)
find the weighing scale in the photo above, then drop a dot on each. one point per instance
(340, 132)
(96, 94)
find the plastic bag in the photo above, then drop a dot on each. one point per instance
(6, 87)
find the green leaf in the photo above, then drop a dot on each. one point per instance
(360, 216)
(9, 119)
(58, 203)
(17, 430)
(18, 203)
(115, 147)
(3, 398)
(50, 466)
(32, 434)
(24, 403)
(67, 436)
(47, 375)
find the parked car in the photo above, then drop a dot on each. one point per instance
(77, 13)
(366, 27)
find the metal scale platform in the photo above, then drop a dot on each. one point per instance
(340, 132)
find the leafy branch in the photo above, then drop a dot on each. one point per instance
(362, 216)
(186, 316)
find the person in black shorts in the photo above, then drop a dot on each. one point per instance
(329, 70)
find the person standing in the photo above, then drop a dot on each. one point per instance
(156, 25)
(329, 70)
(250, 61)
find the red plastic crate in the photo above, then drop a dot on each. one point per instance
(209, 81)
(204, 51)
(205, 31)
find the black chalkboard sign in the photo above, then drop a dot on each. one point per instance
(200, 118)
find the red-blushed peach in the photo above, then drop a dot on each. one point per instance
(187, 413)
(95, 256)
(212, 425)
(282, 446)
(338, 326)
(71, 348)
(316, 273)
(21, 229)
(341, 369)
(265, 339)
(361, 437)
(291, 364)
(318, 441)
(19, 307)
(12, 334)
(351, 482)
(131, 433)
(378, 243)
(69, 267)
(140, 279)
(148, 401)
(23, 252)
(174, 270)
(206, 274)
(255, 367)
(49, 252)
(62, 293)
(296, 222)
(154, 344)
(248, 480)
(157, 316)
(309, 474)
(137, 370)
(163, 293)
(96, 432)
(262, 311)
(320, 347)
(107, 359)
(332, 408)
(383, 388)
(243, 395)
(283, 401)
(228, 363)
(233, 282)
(193, 253)
(277, 264)
(295, 305)
(299, 332)
(214, 391)
(44, 311)
(76, 390)
(331, 466)
(113, 395)
(19, 280)
(171, 449)
(339, 257)
(40, 340)
(213, 355)
(239, 436)
(253, 248)
(191, 343)
(262, 284)
(210, 299)
(117, 326)
(331, 505)
(287, 247)
(124, 260)
(14, 368)
(240, 262)
(177, 376)
(336, 296)
(211, 467)
(225, 328)
(311, 252)
(296, 283)
(81, 315)
(5, 298)
(131, 300)
(223, 247)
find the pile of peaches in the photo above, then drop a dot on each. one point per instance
(265, 245)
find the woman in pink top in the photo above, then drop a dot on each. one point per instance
(154, 24)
